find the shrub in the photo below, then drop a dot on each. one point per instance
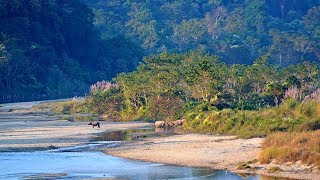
(310, 109)
(68, 107)
(316, 95)
(292, 93)
(102, 86)
(291, 115)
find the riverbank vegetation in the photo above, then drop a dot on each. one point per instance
(64, 107)
(217, 98)
(247, 68)
(70, 109)
(214, 97)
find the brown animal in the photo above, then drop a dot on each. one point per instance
(94, 124)
(159, 124)
(178, 122)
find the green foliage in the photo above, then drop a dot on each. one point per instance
(109, 102)
(289, 116)
(237, 31)
(214, 97)
(50, 49)
(54, 49)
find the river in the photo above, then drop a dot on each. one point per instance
(84, 161)
(73, 164)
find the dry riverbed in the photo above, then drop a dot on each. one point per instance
(199, 150)
(23, 128)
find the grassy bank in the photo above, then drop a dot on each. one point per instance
(71, 110)
(292, 147)
(289, 116)
(67, 107)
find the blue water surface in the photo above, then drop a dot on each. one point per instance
(91, 165)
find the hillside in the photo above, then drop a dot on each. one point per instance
(54, 49)
(50, 49)
(236, 31)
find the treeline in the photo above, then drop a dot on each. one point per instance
(57, 48)
(50, 49)
(236, 31)
(167, 86)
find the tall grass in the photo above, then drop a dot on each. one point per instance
(291, 115)
(101, 86)
(292, 147)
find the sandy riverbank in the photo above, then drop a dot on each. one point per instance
(218, 152)
(23, 129)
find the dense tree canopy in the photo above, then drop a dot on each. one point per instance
(166, 85)
(237, 31)
(57, 48)
(50, 49)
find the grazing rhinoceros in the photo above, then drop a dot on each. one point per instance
(160, 124)
(96, 123)
(178, 122)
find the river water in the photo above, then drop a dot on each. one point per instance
(91, 165)
(85, 162)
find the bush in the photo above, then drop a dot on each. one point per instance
(68, 107)
(108, 102)
(310, 109)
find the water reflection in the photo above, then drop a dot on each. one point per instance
(133, 134)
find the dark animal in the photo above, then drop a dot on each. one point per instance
(94, 124)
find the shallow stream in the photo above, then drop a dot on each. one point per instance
(85, 162)
(87, 165)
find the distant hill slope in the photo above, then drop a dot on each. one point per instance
(50, 49)
(57, 48)
(237, 31)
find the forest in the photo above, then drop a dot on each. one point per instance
(236, 31)
(51, 49)
(246, 68)
(57, 48)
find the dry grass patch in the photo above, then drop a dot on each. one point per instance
(63, 107)
(292, 147)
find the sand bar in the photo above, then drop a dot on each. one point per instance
(25, 129)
